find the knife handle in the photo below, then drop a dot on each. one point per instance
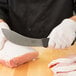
(73, 41)
(45, 42)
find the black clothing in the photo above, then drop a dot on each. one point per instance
(35, 18)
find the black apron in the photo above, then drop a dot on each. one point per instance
(35, 18)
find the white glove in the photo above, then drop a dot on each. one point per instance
(63, 35)
(2, 37)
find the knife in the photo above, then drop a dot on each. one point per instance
(23, 40)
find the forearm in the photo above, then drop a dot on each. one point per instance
(1, 20)
(3, 24)
(73, 18)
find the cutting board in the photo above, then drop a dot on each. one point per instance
(38, 67)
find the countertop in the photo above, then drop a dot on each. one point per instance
(38, 67)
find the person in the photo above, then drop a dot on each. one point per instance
(40, 19)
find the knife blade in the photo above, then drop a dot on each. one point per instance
(23, 40)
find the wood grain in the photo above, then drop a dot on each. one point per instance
(38, 67)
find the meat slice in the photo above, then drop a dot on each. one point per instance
(58, 61)
(63, 66)
(13, 55)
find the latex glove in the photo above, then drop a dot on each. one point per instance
(63, 35)
(2, 37)
(64, 66)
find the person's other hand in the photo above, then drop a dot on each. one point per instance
(2, 37)
(63, 35)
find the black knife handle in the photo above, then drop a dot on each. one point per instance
(45, 42)
(73, 41)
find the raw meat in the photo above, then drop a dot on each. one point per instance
(13, 55)
(63, 66)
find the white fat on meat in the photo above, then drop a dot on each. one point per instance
(60, 60)
(73, 73)
(12, 50)
(67, 68)
(63, 65)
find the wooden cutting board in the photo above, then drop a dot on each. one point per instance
(38, 67)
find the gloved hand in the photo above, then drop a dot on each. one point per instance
(2, 37)
(64, 66)
(63, 35)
